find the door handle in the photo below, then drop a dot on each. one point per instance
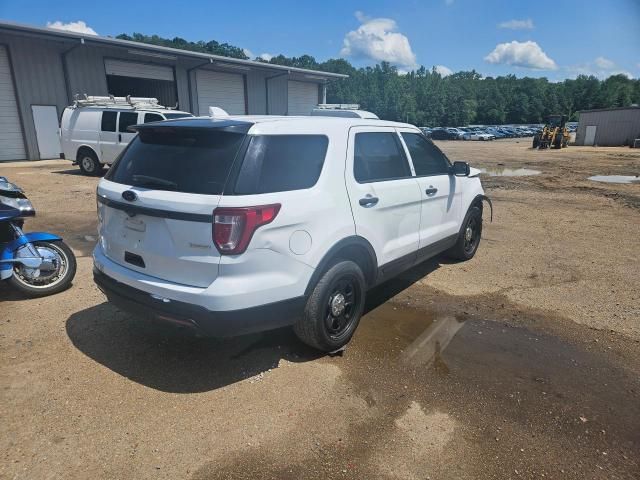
(431, 190)
(368, 201)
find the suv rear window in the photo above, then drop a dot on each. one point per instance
(280, 163)
(178, 160)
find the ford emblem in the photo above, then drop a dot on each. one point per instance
(129, 195)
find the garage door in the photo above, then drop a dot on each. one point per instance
(11, 137)
(303, 97)
(138, 70)
(224, 90)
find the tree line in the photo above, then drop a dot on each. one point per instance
(426, 98)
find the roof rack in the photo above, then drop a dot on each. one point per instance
(111, 101)
(338, 106)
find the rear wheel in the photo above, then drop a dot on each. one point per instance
(536, 141)
(469, 237)
(89, 164)
(54, 275)
(334, 308)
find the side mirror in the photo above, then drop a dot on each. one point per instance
(461, 169)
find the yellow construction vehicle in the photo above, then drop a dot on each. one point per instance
(554, 134)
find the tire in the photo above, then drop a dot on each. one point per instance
(466, 247)
(20, 280)
(536, 141)
(321, 326)
(89, 164)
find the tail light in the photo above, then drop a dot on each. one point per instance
(233, 227)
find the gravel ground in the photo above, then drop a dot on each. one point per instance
(522, 363)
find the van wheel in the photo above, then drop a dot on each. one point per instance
(469, 238)
(334, 308)
(89, 164)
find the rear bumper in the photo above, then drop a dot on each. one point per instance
(228, 323)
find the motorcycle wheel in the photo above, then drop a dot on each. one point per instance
(41, 282)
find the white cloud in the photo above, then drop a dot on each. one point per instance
(266, 56)
(521, 54)
(78, 27)
(517, 24)
(379, 40)
(248, 53)
(442, 70)
(604, 63)
(600, 67)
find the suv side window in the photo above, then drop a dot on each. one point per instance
(127, 119)
(152, 117)
(280, 163)
(427, 159)
(108, 123)
(379, 156)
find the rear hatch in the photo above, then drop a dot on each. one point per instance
(156, 202)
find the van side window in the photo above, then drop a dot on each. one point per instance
(127, 119)
(379, 156)
(427, 159)
(152, 117)
(109, 121)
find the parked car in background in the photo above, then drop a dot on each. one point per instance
(245, 224)
(426, 131)
(457, 132)
(443, 134)
(478, 135)
(94, 130)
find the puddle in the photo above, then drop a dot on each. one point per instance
(432, 342)
(509, 172)
(615, 178)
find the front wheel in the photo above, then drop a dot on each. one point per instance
(54, 275)
(334, 308)
(469, 237)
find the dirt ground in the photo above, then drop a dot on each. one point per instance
(522, 363)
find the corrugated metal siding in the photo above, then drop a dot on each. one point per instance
(11, 136)
(278, 101)
(220, 89)
(37, 67)
(613, 127)
(257, 92)
(125, 68)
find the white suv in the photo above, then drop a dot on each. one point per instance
(94, 135)
(245, 224)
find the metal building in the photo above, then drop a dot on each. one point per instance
(41, 69)
(608, 127)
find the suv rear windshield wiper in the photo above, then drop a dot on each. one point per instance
(148, 181)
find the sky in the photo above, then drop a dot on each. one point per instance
(542, 38)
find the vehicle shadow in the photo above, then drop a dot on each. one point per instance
(75, 171)
(175, 360)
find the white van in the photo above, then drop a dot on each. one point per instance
(94, 130)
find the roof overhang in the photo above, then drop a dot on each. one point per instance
(165, 53)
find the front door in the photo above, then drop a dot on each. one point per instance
(440, 217)
(384, 195)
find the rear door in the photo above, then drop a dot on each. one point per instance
(439, 191)
(385, 197)
(163, 226)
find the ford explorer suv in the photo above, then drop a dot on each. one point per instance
(245, 224)
(94, 132)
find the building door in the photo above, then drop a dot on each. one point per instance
(590, 135)
(45, 119)
(302, 97)
(11, 135)
(218, 89)
(141, 80)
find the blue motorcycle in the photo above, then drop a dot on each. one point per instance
(36, 263)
